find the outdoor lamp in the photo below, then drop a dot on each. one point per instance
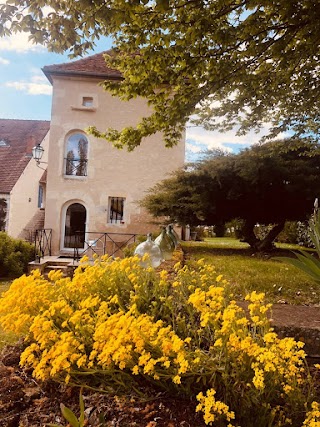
(37, 153)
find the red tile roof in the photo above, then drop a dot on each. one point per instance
(92, 66)
(17, 137)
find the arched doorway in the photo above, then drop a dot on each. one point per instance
(75, 226)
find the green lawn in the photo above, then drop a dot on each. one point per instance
(4, 285)
(247, 271)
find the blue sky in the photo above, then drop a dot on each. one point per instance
(25, 93)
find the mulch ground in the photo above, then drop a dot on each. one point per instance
(25, 402)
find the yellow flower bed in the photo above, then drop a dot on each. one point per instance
(116, 322)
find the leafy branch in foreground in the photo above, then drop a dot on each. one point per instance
(243, 63)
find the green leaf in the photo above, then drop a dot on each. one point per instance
(163, 5)
(69, 416)
(81, 404)
(303, 263)
(213, 54)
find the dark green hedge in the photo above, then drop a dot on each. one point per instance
(14, 256)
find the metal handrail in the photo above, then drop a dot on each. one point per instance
(96, 243)
(42, 243)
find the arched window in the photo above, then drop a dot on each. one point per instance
(76, 160)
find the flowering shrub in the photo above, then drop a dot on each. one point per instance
(118, 323)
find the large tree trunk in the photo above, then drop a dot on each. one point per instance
(264, 245)
(248, 234)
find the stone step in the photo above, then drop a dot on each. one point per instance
(56, 267)
(65, 270)
(58, 262)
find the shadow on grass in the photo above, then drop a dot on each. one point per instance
(198, 248)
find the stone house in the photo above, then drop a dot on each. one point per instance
(91, 188)
(21, 189)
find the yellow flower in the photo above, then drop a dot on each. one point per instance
(176, 379)
(313, 416)
(258, 379)
(135, 370)
(213, 409)
(163, 275)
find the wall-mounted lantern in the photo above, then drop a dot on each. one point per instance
(37, 153)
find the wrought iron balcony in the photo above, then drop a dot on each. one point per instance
(76, 167)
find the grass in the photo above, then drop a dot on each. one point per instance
(247, 272)
(5, 338)
(4, 285)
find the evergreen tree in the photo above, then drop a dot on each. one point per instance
(266, 184)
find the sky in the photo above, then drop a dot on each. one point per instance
(25, 93)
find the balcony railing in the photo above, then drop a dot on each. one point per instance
(76, 167)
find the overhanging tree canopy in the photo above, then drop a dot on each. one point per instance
(266, 184)
(232, 62)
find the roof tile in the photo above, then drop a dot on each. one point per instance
(20, 136)
(93, 65)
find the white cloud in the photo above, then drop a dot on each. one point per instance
(39, 78)
(37, 86)
(4, 61)
(217, 140)
(46, 10)
(19, 43)
(193, 148)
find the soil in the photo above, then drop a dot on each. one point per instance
(25, 402)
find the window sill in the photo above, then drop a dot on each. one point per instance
(82, 108)
(76, 177)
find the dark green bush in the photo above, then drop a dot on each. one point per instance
(219, 230)
(14, 256)
(289, 234)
